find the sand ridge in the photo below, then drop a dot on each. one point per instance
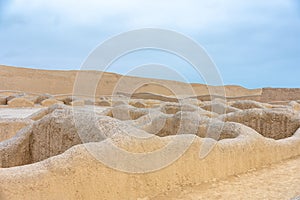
(62, 82)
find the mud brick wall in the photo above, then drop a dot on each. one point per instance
(280, 94)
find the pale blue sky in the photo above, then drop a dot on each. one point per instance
(253, 43)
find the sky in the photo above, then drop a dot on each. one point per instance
(253, 43)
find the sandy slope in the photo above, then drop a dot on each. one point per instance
(280, 181)
(62, 82)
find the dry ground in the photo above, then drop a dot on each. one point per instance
(279, 181)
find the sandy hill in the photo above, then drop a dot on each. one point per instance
(62, 82)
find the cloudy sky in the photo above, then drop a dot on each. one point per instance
(253, 43)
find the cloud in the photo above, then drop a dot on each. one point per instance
(243, 37)
(191, 14)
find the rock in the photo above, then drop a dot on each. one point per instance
(219, 108)
(103, 103)
(207, 113)
(295, 105)
(152, 103)
(20, 102)
(67, 100)
(3, 100)
(137, 104)
(145, 95)
(173, 108)
(77, 103)
(127, 112)
(118, 102)
(170, 108)
(104, 98)
(89, 102)
(247, 104)
(42, 97)
(50, 102)
(11, 97)
(192, 101)
(32, 98)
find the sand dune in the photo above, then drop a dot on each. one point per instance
(62, 82)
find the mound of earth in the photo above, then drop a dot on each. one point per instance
(20, 102)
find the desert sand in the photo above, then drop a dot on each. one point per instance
(279, 181)
(146, 145)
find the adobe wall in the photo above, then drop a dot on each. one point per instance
(280, 94)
